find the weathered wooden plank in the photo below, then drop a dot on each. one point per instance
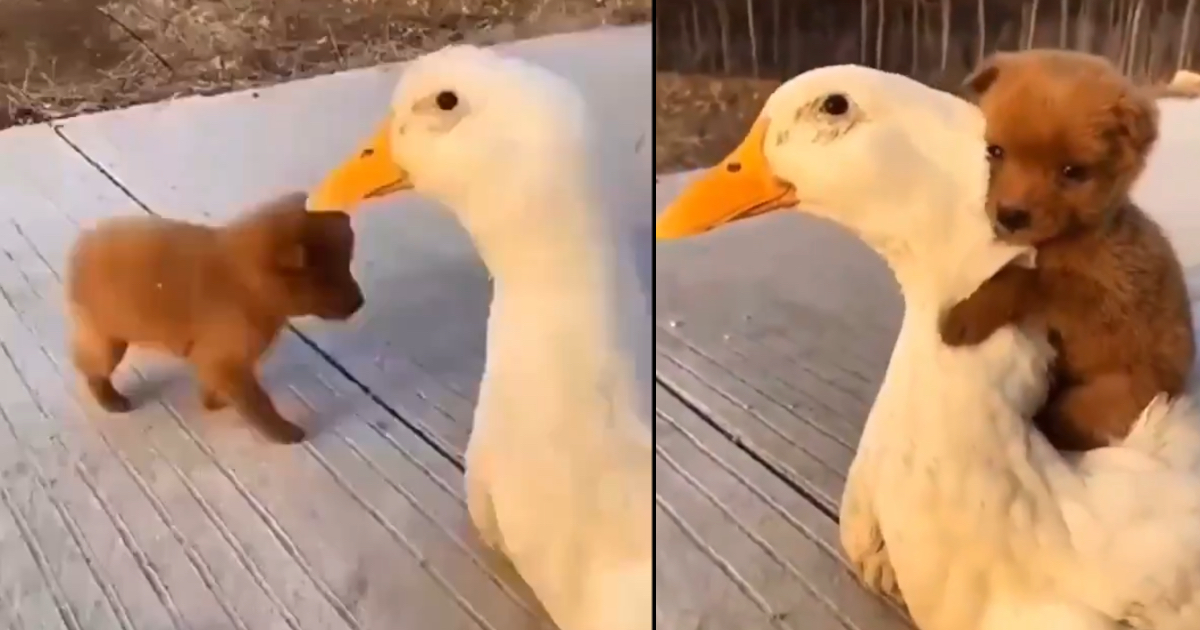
(166, 519)
(771, 339)
(691, 591)
(810, 457)
(418, 343)
(793, 531)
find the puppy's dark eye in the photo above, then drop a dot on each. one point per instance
(835, 104)
(1074, 172)
(447, 100)
(995, 152)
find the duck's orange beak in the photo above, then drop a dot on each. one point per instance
(372, 172)
(740, 187)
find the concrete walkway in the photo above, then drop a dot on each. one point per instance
(165, 519)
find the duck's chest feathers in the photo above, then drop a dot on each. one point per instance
(960, 497)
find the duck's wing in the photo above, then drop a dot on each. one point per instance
(1135, 519)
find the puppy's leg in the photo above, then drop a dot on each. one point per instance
(998, 302)
(96, 356)
(236, 382)
(212, 399)
(1094, 413)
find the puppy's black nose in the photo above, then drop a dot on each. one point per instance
(1012, 219)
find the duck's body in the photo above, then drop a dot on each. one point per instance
(985, 523)
(559, 468)
(953, 497)
(560, 453)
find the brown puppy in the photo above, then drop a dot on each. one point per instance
(216, 296)
(1067, 137)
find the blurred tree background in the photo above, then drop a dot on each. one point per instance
(718, 60)
(937, 41)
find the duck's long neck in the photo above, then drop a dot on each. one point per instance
(568, 314)
(967, 405)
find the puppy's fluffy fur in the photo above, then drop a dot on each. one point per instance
(216, 296)
(1068, 135)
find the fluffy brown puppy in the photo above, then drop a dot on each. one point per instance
(1067, 137)
(216, 296)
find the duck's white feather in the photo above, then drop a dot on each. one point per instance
(559, 465)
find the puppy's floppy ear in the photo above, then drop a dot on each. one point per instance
(1136, 118)
(984, 76)
(329, 231)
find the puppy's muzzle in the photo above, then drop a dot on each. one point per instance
(345, 308)
(1012, 219)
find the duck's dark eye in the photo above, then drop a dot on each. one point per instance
(996, 152)
(835, 105)
(447, 100)
(1074, 172)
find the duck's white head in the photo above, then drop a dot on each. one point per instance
(900, 164)
(474, 130)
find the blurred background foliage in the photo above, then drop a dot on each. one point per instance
(936, 41)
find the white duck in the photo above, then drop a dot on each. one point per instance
(982, 525)
(559, 465)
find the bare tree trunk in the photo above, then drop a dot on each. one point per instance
(775, 43)
(945, 33)
(696, 30)
(1033, 19)
(1126, 30)
(1083, 27)
(1133, 37)
(1112, 23)
(982, 34)
(658, 39)
(879, 37)
(1185, 35)
(753, 38)
(916, 38)
(724, 26)
(862, 32)
(1064, 20)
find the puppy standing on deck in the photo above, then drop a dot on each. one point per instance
(216, 296)
(1067, 137)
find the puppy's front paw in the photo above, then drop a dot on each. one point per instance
(283, 432)
(116, 402)
(108, 397)
(213, 401)
(959, 327)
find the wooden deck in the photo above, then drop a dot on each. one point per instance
(170, 519)
(771, 340)
(167, 519)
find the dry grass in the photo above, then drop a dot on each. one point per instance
(698, 119)
(59, 58)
